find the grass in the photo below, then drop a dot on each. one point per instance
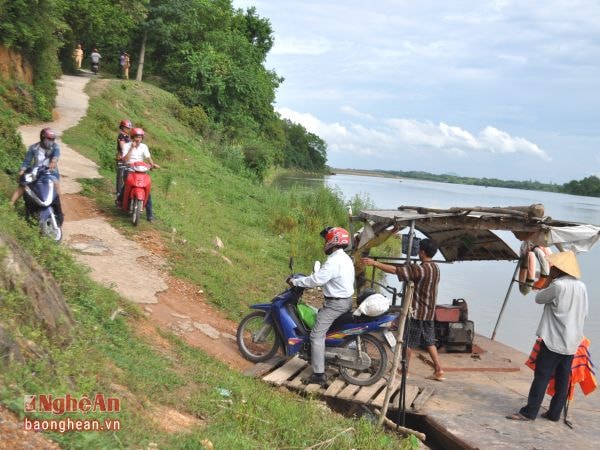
(197, 198)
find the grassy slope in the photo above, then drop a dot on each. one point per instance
(200, 199)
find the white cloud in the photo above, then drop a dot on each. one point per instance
(392, 134)
(348, 110)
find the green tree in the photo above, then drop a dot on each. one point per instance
(589, 186)
(304, 150)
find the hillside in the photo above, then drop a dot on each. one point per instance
(172, 391)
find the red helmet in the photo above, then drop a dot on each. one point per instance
(137, 132)
(125, 123)
(335, 237)
(47, 133)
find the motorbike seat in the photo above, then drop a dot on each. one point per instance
(347, 318)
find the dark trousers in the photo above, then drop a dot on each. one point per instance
(548, 364)
(149, 212)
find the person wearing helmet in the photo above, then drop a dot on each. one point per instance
(122, 139)
(46, 152)
(336, 277)
(420, 330)
(137, 151)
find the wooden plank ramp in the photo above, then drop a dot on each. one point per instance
(291, 373)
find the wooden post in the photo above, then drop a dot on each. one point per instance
(406, 303)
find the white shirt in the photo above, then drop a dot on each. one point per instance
(138, 154)
(565, 309)
(336, 276)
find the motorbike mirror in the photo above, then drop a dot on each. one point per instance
(291, 264)
(316, 266)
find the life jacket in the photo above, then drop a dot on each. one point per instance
(582, 369)
(532, 257)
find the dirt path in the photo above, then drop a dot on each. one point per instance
(135, 269)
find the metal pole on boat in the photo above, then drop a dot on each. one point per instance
(512, 281)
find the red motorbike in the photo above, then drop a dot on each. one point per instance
(137, 190)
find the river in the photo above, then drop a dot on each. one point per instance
(484, 284)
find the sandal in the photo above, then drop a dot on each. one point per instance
(518, 416)
(546, 415)
(437, 376)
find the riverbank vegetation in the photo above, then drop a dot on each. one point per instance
(198, 197)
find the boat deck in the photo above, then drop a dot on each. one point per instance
(471, 404)
(468, 409)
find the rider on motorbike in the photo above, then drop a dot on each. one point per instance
(122, 140)
(336, 276)
(137, 151)
(43, 153)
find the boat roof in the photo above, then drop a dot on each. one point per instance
(468, 233)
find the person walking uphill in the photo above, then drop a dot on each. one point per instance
(426, 276)
(336, 276)
(565, 303)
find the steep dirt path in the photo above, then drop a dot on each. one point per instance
(135, 269)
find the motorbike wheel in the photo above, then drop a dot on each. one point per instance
(256, 339)
(138, 205)
(49, 230)
(376, 351)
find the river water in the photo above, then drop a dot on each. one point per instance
(484, 284)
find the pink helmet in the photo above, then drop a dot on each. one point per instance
(47, 133)
(335, 237)
(125, 123)
(137, 132)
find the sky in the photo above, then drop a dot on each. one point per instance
(504, 89)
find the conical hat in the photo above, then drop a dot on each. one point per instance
(567, 262)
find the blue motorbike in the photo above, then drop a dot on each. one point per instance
(351, 344)
(42, 201)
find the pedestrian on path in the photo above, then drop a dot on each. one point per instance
(78, 56)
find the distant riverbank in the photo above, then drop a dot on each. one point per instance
(589, 186)
(365, 173)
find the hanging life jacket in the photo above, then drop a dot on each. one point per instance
(534, 268)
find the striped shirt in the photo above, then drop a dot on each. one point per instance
(426, 278)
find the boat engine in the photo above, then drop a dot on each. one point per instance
(453, 331)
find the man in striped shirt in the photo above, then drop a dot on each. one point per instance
(420, 330)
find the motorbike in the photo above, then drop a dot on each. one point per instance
(95, 67)
(351, 343)
(42, 201)
(136, 190)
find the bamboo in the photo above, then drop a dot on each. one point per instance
(406, 302)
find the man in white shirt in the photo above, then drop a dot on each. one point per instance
(336, 276)
(565, 303)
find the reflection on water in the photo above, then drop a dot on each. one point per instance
(484, 284)
(285, 182)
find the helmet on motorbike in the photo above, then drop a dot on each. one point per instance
(125, 123)
(47, 133)
(137, 132)
(335, 237)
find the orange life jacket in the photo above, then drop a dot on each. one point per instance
(582, 369)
